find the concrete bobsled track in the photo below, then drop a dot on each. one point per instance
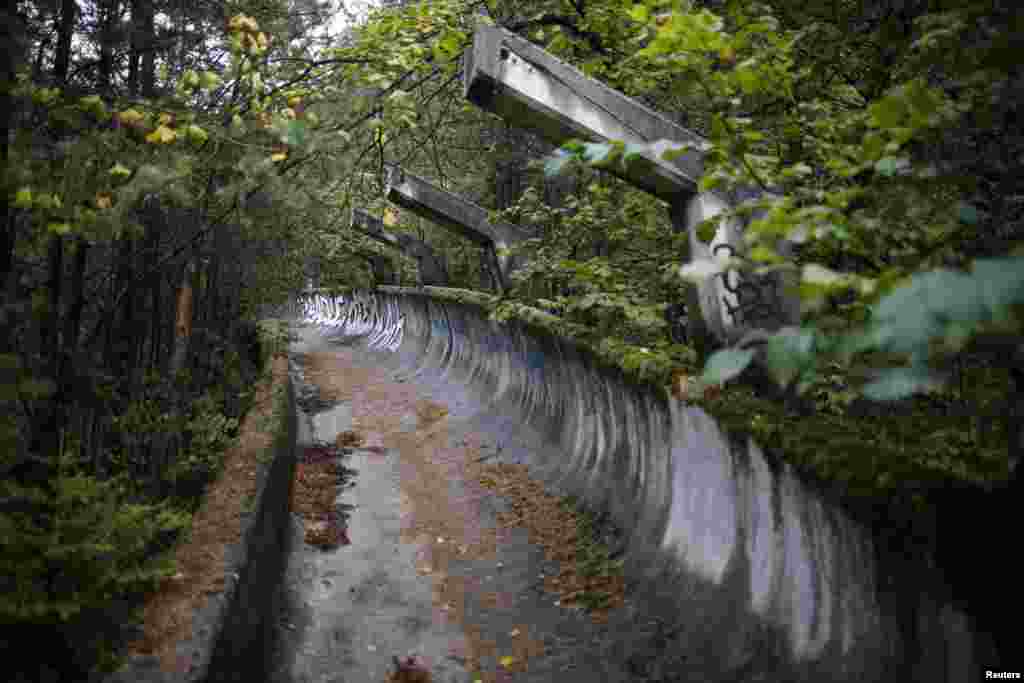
(750, 572)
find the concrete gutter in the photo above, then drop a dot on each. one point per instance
(230, 633)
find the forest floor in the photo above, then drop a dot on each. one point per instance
(454, 567)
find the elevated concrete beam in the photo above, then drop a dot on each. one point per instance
(449, 210)
(432, 270)
(520, 82)
(461, 216)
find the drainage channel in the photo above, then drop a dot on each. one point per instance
(428, 583)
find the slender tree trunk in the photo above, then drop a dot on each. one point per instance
(110, 14)
(182, 322)
(73, 321)
(120, 325)
(12, 29)
(147, 78)
(142, 60)
(65, 32)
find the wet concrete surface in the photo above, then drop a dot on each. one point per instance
(429, 571)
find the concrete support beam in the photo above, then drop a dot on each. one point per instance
(432, 270)
(381, 266)
(522, 83)
(528, 87)
(457, 214)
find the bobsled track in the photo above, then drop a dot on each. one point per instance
(750, 572)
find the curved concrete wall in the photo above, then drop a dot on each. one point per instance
(750, 563)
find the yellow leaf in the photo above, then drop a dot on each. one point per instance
(162, 134)
(165, 119)
(390, 217)
(279, 156)
(507, 661)
(130, 117)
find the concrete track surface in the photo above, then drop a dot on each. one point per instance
(429, 573)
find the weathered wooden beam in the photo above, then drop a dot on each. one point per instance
(457, 214)
(432, 269)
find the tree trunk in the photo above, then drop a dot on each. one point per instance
(74, 319)
(109, 12)
(12, 30)
(182, 323)
(142, 61)
(65, 32)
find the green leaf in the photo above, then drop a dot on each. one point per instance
(747, 78)
(819, 275)
(670, 151)
(706, 230)
(639, 13)
(23, 198)
(556, 162)
(763, 254)
(967, 213)
(296, 134)
(595, 152)
(632, 151)
(119, 171)
(37, 388)
(725, 364)
(700, 269)
(890, 166)
(888, 112)
(898, 383)
(789, 353)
